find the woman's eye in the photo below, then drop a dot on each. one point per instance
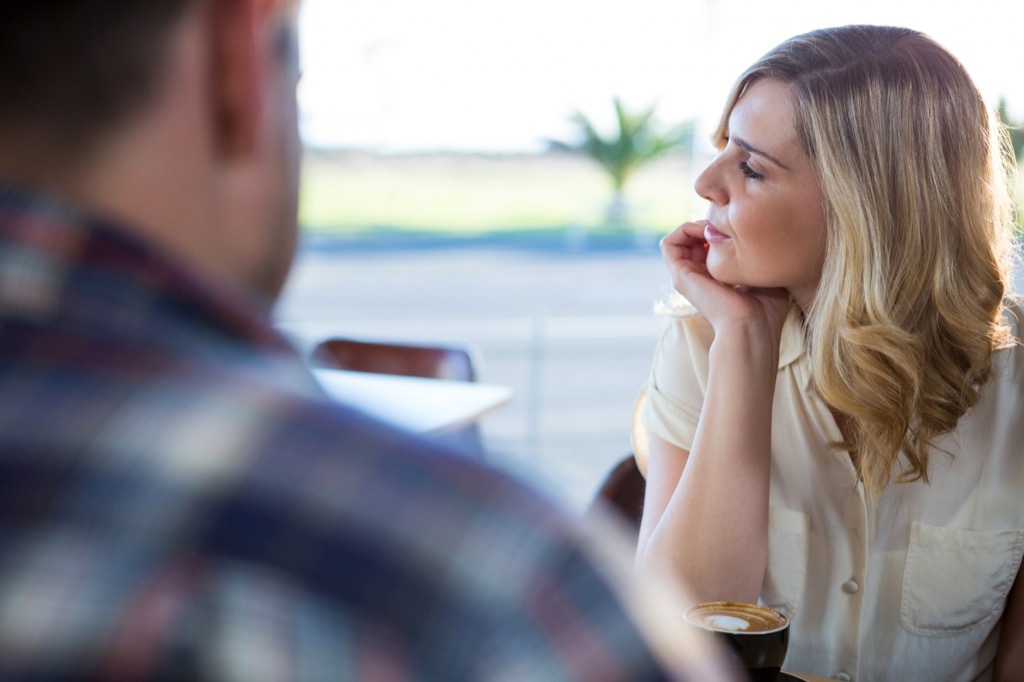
(749, 172)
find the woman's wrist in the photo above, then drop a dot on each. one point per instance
(754, 343)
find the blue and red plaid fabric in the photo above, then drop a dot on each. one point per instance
(178, 501)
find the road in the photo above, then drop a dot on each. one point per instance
(570, 329)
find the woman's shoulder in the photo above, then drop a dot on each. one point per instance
(1013, 319)
(693, 329)
(1008, 358)
(1013, 314)
(681, 358)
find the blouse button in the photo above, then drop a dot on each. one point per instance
(843, 677)
(851, 587)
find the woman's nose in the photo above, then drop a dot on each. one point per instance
(709, 184)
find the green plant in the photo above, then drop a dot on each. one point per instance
(1015, 133)
(636, 141)
(1014, 128)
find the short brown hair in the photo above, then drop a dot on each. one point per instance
(72, 70)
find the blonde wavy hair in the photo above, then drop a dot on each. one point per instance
(913, 168)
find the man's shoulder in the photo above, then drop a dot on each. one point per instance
(338, 462)
(357, 510)
(251, 465)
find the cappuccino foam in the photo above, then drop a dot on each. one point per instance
(736, 617)
(720, 621)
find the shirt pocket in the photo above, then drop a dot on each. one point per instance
(787, 560)
(956, 580)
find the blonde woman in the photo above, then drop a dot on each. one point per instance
(837, 429)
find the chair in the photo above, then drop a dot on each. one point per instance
(624, 487)
(452, 363)
(622, 491)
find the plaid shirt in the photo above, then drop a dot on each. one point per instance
(178, 500)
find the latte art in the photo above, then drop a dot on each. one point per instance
(735, 617)
(720, 621)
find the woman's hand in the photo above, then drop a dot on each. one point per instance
(685, 252)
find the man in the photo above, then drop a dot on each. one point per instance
(178, 500)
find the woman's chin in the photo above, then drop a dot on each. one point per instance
(725, 276)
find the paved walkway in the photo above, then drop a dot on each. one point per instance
(570, 328)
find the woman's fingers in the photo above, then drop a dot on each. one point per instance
(685, 253)
(684, 250)
(685, 243)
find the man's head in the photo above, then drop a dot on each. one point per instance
(72, 70)
(176, 118)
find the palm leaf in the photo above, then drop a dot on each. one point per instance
(636, 141)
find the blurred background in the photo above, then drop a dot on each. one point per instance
(498, 175)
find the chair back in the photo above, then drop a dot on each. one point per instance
(624, 486)
(622, 491)
(431, 362)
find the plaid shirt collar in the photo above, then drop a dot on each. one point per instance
(60, 266)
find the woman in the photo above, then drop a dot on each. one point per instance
(839, 432)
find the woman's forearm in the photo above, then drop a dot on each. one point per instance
(712, 531)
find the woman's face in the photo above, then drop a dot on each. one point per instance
(766, 219)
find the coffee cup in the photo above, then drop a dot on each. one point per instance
(756, 636)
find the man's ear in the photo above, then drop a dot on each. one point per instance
(236, 74)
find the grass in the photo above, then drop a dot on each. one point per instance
(351, 193)
(345, 193)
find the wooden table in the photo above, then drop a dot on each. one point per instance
(415, 404)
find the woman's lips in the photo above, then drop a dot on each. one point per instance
(713, 235)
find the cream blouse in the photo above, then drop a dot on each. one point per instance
(912, 589)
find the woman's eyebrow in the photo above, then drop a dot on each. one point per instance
(750, 149)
